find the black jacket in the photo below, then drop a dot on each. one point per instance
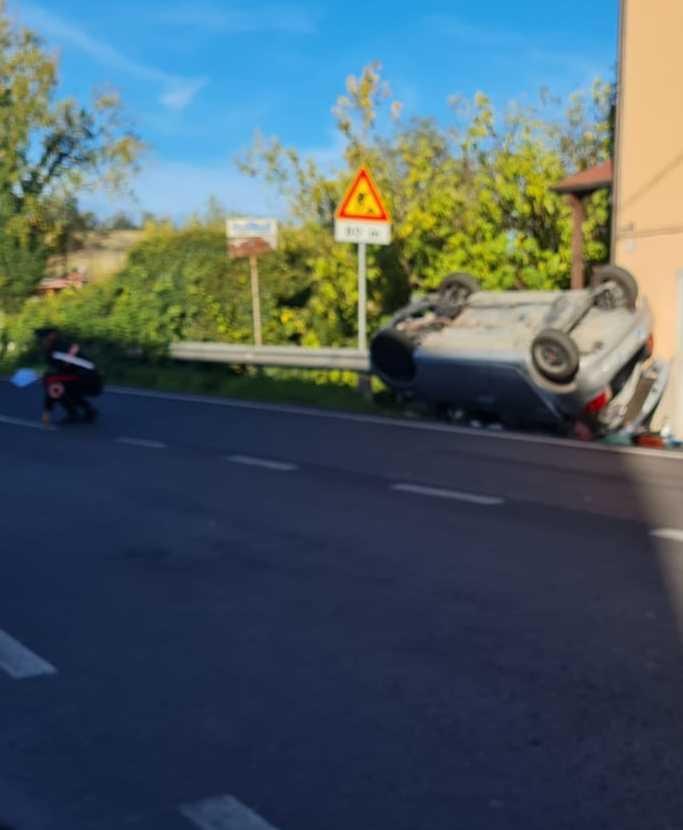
(61, 360)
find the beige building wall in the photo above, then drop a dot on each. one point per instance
(648, 220)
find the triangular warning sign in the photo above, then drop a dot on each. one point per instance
(362, 200)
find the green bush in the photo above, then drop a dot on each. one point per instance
(176, 285)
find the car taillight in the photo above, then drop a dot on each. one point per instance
(598, 403)
(655, 442)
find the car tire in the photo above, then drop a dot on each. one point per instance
(391, 354)
(456, 288)
(555, 356)
(624, 281)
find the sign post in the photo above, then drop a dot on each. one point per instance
(362, 218)
(362, 297)
(255, 300)
(251, 238)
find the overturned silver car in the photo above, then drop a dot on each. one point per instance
(576, 361)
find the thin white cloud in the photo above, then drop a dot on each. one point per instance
(506, 42)
(473, 35)
(177, 189)
(225, 121)
(181, 94)
(289, 19)
(177, 91)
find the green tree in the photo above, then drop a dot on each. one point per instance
(50, 149)
(475, 196)
(120, 221)
(66, 225)
(178, 284)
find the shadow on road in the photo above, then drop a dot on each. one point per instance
(334, 652)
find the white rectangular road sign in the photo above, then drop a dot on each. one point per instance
(252, 228)
(354, 230)
(249, 227)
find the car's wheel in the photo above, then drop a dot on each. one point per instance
(391, 353)
(555, 355)
(625, 288)
(456, 288)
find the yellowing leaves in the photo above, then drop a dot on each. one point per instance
(474, 194)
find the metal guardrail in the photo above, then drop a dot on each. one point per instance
(293, 357)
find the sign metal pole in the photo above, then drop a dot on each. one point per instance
(362, 297)
(255, 301)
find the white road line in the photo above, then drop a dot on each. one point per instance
(397, 423)
(437, 492)
(23, 422)
(141, 442)
(223, 813)
(670, 533)
(282, 466)
(19, 662)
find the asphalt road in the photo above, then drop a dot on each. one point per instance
(242, 618)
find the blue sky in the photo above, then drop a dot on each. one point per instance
(199, 77)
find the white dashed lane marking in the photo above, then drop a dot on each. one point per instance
(454, 495)
(223, 813)
(24, 422)
(20, 662)
(250, 461)
(669, 533)
(142, 442)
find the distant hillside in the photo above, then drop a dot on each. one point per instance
(102, 254)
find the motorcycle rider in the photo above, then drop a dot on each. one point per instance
(70, 378)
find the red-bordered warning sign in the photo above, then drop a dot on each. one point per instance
(363, 201)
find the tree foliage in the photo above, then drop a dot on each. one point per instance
(475, 195)
(178, 284)
(50, 149)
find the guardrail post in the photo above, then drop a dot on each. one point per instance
(365, 386)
